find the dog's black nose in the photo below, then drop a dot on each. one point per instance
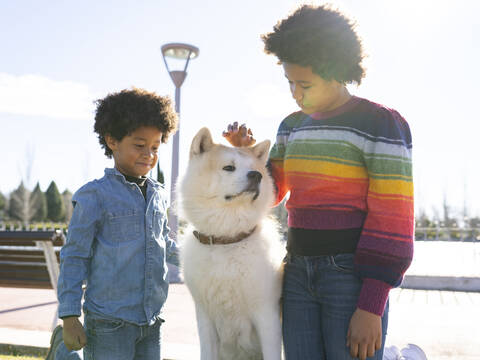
(255, 176)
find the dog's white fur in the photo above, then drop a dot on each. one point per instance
(236, 287)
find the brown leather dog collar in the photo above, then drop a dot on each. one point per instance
(213, 240)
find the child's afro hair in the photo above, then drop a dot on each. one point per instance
(320, 37)
(121, 113)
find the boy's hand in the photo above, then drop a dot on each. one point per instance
(239, 136)
(364, 335)
(74, 336)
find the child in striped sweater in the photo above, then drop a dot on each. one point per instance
(346, 163)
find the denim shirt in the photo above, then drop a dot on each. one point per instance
(117, 243)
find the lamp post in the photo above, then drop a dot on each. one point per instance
(184, 53)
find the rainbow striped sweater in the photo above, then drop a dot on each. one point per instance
(351, 168)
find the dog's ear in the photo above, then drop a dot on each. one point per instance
(202, 142)
(261, 150)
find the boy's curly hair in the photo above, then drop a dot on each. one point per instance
(320, 37)
(121, 113)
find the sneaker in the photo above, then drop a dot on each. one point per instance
(413, 352)
(391, 353)
(55, 340)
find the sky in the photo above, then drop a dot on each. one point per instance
(57, 57)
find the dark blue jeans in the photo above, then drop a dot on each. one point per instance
(319, 298)
(117, 340)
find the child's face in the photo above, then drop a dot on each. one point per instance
(311, 92)
(136, 154)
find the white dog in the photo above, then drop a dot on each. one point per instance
(231, 258)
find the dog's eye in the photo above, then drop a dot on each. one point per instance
(229, 168)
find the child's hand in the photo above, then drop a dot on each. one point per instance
(364, 335)
(239, 136)
(74, 336)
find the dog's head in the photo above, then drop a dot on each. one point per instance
(225, 186)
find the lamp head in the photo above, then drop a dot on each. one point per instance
(180, 51)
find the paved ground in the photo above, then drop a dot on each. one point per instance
(26, 317)
(445, 324)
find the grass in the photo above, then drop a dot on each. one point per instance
(9, 352)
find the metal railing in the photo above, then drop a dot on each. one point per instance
(447, 234)
(21, 226)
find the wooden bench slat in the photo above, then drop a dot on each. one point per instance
(17, 242)
(27, 284)
(24, 255)
(26, 238)
(21, 258)
(32, 235)
(19, 265)
(23, 262)
(26, 242)
(26, 278)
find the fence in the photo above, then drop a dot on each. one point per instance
(447, 234)
(421, 233)
(40, 226)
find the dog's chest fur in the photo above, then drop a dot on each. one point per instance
(232, 281)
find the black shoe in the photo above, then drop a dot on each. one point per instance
(55, 340)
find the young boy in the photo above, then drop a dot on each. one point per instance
(117, 243)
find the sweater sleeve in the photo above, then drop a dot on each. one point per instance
(385, 248)
(276, 160)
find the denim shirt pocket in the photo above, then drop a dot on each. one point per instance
(343, 262)
(124, 225)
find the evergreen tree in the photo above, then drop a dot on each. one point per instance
(3, 205)
(474, 222)
(19, 205)
(448, 219)
(67, 203)
(55, 210)
(422, 220)
(160, 177)
(38, 204)
(3, 202)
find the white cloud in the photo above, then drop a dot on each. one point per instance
(41, 96)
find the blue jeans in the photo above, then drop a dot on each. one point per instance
(319, 298)
(117, 340)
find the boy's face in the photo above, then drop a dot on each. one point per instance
(311, 92)
(137, 153)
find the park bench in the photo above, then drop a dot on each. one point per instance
(28, 259)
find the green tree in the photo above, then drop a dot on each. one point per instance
(422, 220)
(55, 209)
(3, 205)
(448, 218)
(67, 204)
(474, 222)
(19, 205)
(160, 177)
(3, 202)
(38, 203)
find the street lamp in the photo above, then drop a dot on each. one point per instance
(183, 53)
